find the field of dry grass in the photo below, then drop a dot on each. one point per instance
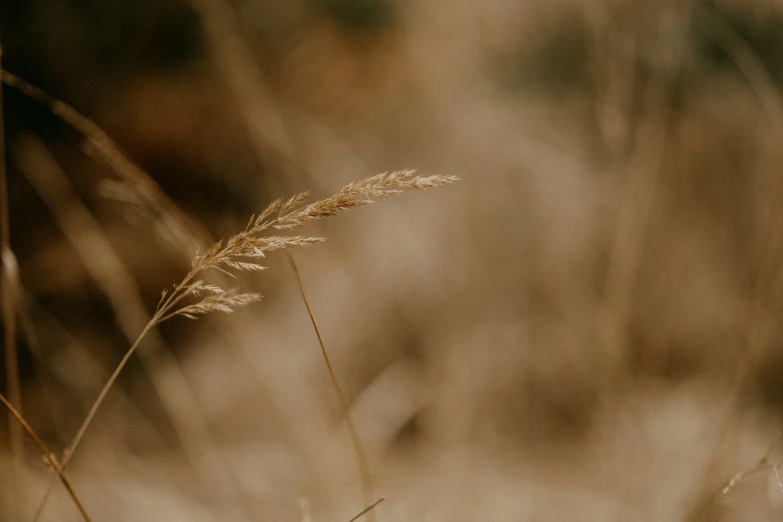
(579, 322)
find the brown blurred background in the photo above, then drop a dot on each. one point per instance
(585, 327)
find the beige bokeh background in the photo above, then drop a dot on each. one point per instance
(583, 328)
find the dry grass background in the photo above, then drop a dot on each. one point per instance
(585, 327)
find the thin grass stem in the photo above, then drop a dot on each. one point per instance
(361, 457)
(366, 510)
(47, 455)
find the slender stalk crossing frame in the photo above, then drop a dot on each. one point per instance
(361, 456)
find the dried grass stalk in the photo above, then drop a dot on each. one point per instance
(48, 455)
(241, 252)
(116, 282)
(245, 251)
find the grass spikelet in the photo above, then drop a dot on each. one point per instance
(242, 265)
(294, 202)
(268, 211)
(199, 287)
(357, 194)
(221, 301)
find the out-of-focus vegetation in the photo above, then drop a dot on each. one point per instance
(585, 327)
